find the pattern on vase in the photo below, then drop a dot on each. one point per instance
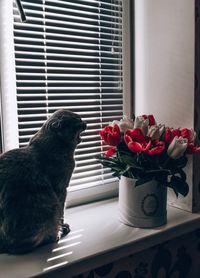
(150, 205)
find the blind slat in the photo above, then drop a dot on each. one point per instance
(75, 55)
(85, 27)
(87, 6)
(63, 17)
(52, 22)
(64, 49)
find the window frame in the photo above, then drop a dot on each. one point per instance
(106, 191)
(7, 68)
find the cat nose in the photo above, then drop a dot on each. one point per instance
(81, 125)
(84, 125)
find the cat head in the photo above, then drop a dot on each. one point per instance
(63, 126)
(66, 125)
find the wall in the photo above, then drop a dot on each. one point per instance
(164, 53)
(165, 69)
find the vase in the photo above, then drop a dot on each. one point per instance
(142, 206)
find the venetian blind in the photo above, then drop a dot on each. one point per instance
(68, 54)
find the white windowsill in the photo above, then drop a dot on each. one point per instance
(96, 237)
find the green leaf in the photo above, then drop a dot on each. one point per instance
(127, 159)
(110, 159)
(161, 175)
(182, 174)
(126, 170)
(108, 164)
(159, 171)
(181, 162)
(179, 185)
(116, 174)
(176, 192)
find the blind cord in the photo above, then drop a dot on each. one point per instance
(21, 10)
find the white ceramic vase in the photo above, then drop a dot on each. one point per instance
(142, 206)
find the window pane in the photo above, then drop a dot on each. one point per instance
(69, 55)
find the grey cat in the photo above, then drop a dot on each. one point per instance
(33, 183)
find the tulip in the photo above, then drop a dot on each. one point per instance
(124, 124)
(177, 147)
(156, 148)
(168, 137)
(192, 148)
(150, 118)
(135, 140)
(176, 132)
(153, 132)
(110, 152)
(111, 135)
(141, 123)
(170, 133)
(135, 134)
(161, 129)
(190, 134)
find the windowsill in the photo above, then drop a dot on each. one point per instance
(97, 237)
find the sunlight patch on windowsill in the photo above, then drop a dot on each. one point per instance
(59, 256)
(54, 266)
(68, 239)
(56, 260)
(66, 246)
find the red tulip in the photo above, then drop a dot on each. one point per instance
(135, 140)
(170, 133)
(186, 133)
(135, 134)
(176, 132)
(190, 134)
(150, 118)
(139, 147)
(110, 152)
(156, 148)
(111, 135)
(192, 148)
(168, 137)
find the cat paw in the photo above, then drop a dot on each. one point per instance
(63, 231)
(59, 235)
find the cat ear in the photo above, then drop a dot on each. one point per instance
(56, 125)
(53, 124)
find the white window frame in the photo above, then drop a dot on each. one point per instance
(8, 86)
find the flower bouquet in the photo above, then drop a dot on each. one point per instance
(143, 150)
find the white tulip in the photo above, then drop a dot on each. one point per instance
(177, 147)
(141, 123)
(153, 132)
(161, 129)
(124, 124)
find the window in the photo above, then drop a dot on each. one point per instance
(68, 54)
